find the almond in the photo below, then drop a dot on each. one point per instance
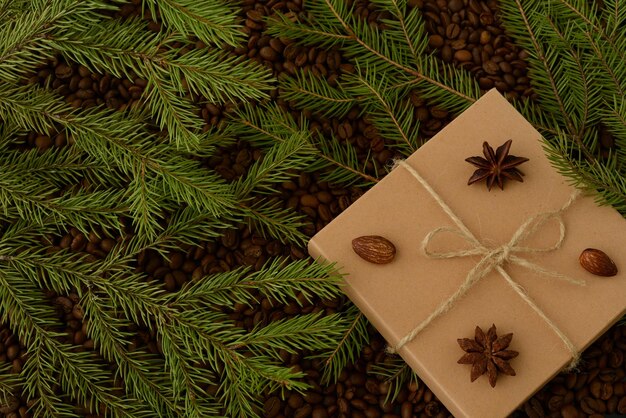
(374, 248)
(597, 262)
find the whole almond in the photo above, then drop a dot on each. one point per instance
(597, 262)
(374, 248)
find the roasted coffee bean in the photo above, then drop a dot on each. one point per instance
(570, 411)
(77, 311)
(9, 405)
(63, 71)
(359, 404)
(313, 397)
(295, 401)
(406, 411)
(13, 351)
(303, 412)
(43, 142)
(534, 409)
(589, 405)
(320, 412)
(455, 5)
(344, 406)
(463, 55)
(271, 407)
(64, 303)
(452, 31)
(435, 41)
(621, 406)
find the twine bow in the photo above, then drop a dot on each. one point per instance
(494, 259)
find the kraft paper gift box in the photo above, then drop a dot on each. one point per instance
(398, 296)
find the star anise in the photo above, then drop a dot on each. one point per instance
(488, 354)
(496, 166)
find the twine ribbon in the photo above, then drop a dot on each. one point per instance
(494, 259)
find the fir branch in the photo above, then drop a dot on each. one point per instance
(294, 153)
(332, 24)
(352, 33)
(142, 373)
(313, 332)
(525, 23)
(273, 125)
(278, 281)
(270, 218)
(615, 17)
(213, 22)
(397, 374)
(9, 383)
(605, 180)
(169, 73)
(393, 119)
(145, 206)
(344, 162)
(355, 337)
(184, 226)
(40, 371)
(80, 374)
(25, 36)
(306, 91)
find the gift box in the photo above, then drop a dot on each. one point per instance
(511, 256)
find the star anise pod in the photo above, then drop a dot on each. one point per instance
(496, 166)
(488, 354)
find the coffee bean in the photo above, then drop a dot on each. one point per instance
(463, 55)
(359, 404)
(485, 37)
(606, 391)
(486, 19)
(230, 239)
(107, 244)
(320, 412)
(268, 53)
(295, 401)
(570, 411)
(9, 405)
(588, 405)
(406, 411)
(616, 357)
(303, 412)
(271, 407)
(555, 403)
(452, 31)
(13, 351)
(169, 282)
(43, 142)
(313, 397)
(65, 304)
(435, 41)
(372, 413)
(324, 213)
(446, 53)
(455, 5)
(308, 200)
(63, 71)
(621, 406)
(77, 311)
(79, 337)
(344, 406)
(78, 243)
(491, 67)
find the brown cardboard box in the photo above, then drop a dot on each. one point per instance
(396, 297)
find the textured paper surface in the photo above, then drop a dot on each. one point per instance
(397, 296)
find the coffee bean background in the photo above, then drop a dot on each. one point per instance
(465, 33)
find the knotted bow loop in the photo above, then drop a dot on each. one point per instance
(493, 258)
